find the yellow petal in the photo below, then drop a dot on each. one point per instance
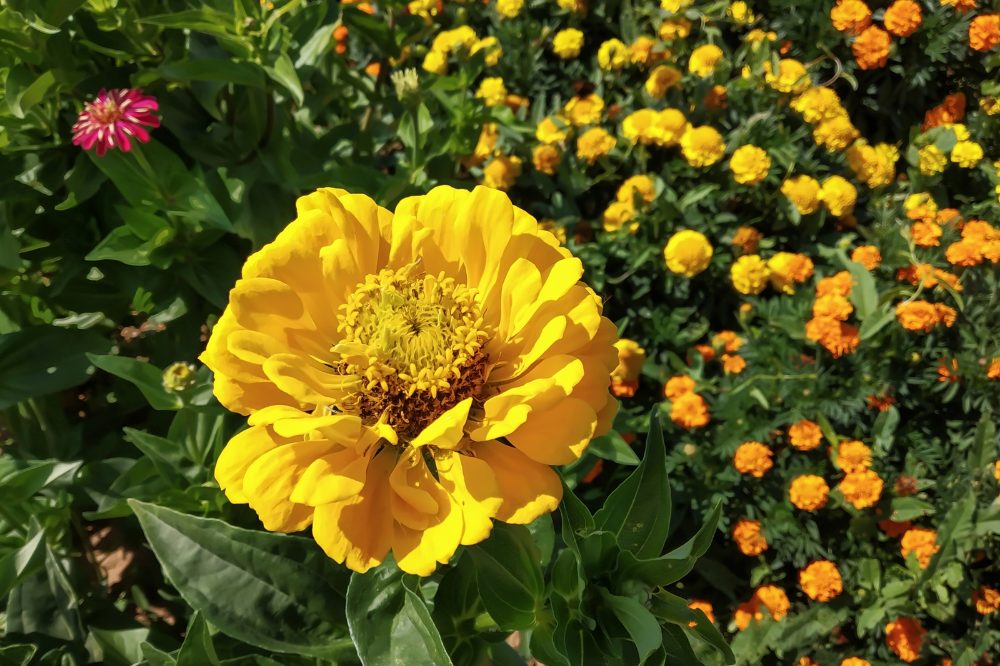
(269, 482)
(556, 436)
(420, 551)
(332, 478)
(417, 496)
(245, 398)
(239, 453)
(309, 382)
(447, 430)
(561, 277)
(529, 489)
(473, 488)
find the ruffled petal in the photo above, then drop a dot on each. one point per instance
(473, 488)
(556, 436)
(529, 489)
(447, 430)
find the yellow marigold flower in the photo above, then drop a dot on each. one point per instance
(853, 456)
(584, 110)
(546, 158)
(746, 239)
(984, 32)
(917, 316)
(740, 12)
(509, 8)
(638, 127)
(640, 52)
(678, 386)
(662, 79)
(838, 196)
(792, 76)
(425, 9)
(749, 274)
(803, 192)
(966, 154)
(871, 48)
(625, 376)
(931, 161)
(704, 60)
(905, 637)
(703, 606)
(485, 146)
(851, 16)
(593, 144)
(808, 492)
(902, 18)
(805, 435)
(673, 29)
(689, 411)
(818, 103)
(674, 6)
(821, 581)
(774, 599)
(785, 270)
(449, 41)
(986, 599)
(618, 214)
(687, 253)
(567, 43)
(836, 133)
(641, 186)
(733, 364)
(990, 105)
(357, 342)
(980, 231)
(702, 146)
(552, 129)
(833, 306)
(436, 62)
(861, 489)
(501, 172)
(576, 6)
(868, 256)
(749, 164)
(748, 537)
(855, 661)
(873, 165)
(178, 377)
(492, 91)
(753, 458)
(667, 129)
(612, 55)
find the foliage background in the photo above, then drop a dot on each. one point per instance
(113, 268)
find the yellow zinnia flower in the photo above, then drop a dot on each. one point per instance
(382, 357)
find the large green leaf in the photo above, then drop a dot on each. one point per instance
(275, 591)
(676, 564)
(509, 573)
(638, 511)
(44, 359)
(389, 620)
(640, 624)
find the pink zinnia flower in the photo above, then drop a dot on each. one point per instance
(114, 118)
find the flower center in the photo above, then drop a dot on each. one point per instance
(105, 112)
(416, 343)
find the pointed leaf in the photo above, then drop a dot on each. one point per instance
(509, 575)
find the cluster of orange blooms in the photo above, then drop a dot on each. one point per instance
(688, 409)
(831, 310)
(924, 316)
(770, 597)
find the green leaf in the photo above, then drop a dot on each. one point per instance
(21, 480)
(203, 19)
(638, 622)
(372, 28)
(638, 511)
(44, 359)
(146, 377)
(275, 591)
(984, 448)
(21, 562)
(908, 508)
(284, 73)
(17, 655)
(676, 564)
(614, 448)
(389, 620)
(121, 646)
(509, 575)
(577, 521)
(864, 296)
(673, 609)
(197, 649)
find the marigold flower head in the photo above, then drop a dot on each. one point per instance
(674, 6)
(894, 529)
(704, 59)
(567, 43)
(861, 489)
(612, 55)
(639, 187)
(675, 28)
(552, 129)
(706, 352)
(821, 581)
(993, 372)
(839, 283)
(575, 6)
(486, 145)
(803, 192)
(774, 599)
(926, 233)
(689, 411)
(984, 32)
(114, 119)
(931, 160)
(625, 376)
(836, 133)
(748, 537)
(986, 599)
(501, 172)
(960, 5)
(951, 110)
(663, 128)
(662, 79)
(703, 606)
(733, 364)
(618, 214)
(920, 315)
(966, 252)
(594, 144)
(640, 52)
(868, 256)
(749, 164)
(677, 386)
(850, 16)
(730, 341)
(838, 196)
(832, 306)
(749, 274)
(818, 103)
(747, 612)
(948, 372)
(787, 269)
(584, 110)
(687, 253)
(853, 456)
(546, 158)
(792, 76)
(509, 8)
(451, 41)
(805, 435)
(702, 146)
(922, 542)
(358, 341)
(492, 91)
(905, 636)
(873, 165)
(436, 62)
(871, 48)
(753, 458)
(854, 661)
(966, 154)
(808, 492)
(746, 239)
(902, 18)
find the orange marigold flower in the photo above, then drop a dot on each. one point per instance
(905, 636)
(678, 386)
(855, 661)
(920, 541)
(868, 256)
(746, 612)
(704, 606)
(706, 351)
(805, 435)
(960, 5)
(951, 110)
(893, 529)
(838, 283)
(861, 489)
(926, 233)
(871, 48)
(979, 230)
(833, 306)
(993, 371)
(902, 18)
(753, 458)
(984, 32)
(946, 373)
(689, 411)
(986, 600)
(837, 337)
(774, 599)
(730, 341)
(733, 364)
(746, 239)
(808, 492)
(880, 402)
(821, 581)
(853, 456)
(946, 314)
(851, 16)
(748, 537)
(917, 316)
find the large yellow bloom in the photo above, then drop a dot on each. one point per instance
(409, 376)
